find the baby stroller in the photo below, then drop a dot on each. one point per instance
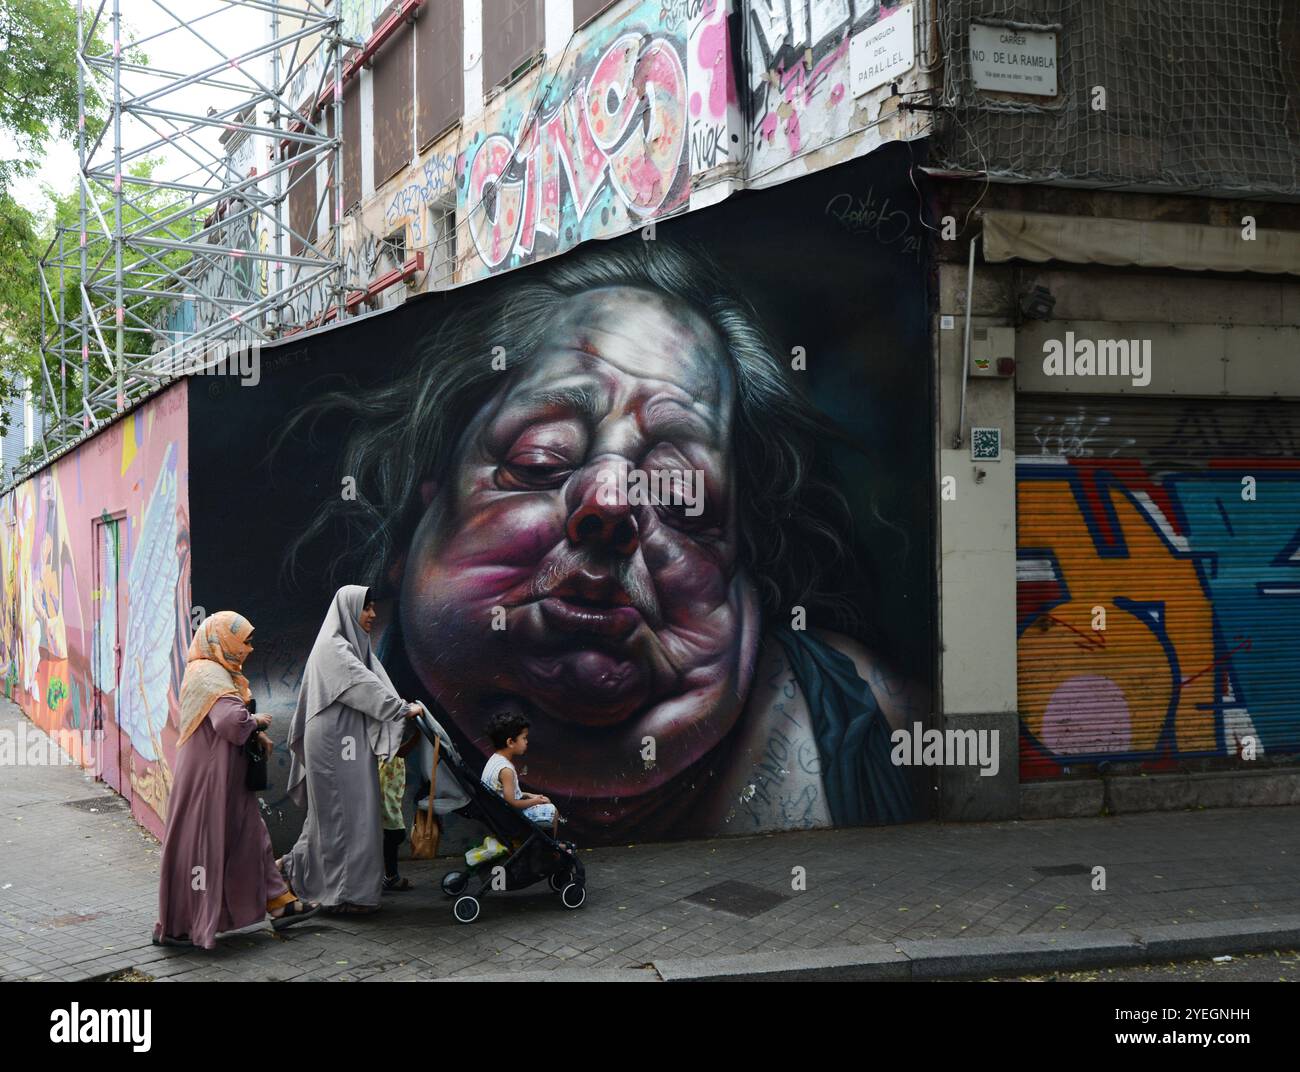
(533, 853)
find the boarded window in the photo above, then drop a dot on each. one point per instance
(586, 10)
(351, 143)
(439, 63)
(394, 104)
(512, 36)
(302, 201)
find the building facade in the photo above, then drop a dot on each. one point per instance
(960, 337)
(1116, 351)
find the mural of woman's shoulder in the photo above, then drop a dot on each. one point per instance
(902, 700)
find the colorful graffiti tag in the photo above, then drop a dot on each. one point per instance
(434, 182)
(1157, 616)
(715, 112)
(94, 609)
(604, 148)
(799, 79)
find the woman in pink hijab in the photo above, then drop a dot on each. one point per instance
(218, 870)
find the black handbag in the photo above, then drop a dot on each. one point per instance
(256, 776)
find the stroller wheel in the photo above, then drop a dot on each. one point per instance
(559, 880)
(454, 882)
(573, 895)
(465, 909)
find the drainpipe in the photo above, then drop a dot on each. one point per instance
(965, 360)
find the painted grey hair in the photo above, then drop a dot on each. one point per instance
(793, 525)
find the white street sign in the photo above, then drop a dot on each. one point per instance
(882, 52)
(1013, 61)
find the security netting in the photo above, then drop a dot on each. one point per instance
(1195, 95)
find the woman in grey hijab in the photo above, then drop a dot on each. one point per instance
(348, 713)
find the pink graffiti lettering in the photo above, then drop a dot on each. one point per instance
(626, 124)
(494, 226)
(712, 54)
(797, 86)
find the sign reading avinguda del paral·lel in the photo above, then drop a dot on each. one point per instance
(1013, 61)
(882, 52)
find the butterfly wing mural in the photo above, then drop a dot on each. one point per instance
(151, 618)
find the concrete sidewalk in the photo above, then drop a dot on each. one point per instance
(78, 899)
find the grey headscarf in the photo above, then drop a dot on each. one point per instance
(340, 658)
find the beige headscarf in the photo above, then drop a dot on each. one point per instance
(212, 669)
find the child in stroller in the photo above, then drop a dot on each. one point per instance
(534, 852)
(509, 736)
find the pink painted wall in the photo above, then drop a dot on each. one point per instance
(94, 599)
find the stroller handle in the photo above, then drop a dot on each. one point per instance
(433, 731)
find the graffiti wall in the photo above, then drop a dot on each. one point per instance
(593, 142)
(1157, 582)
(94, 611)
(653, 105)
(601, 139)
(801, 75)
(606, 492)
(605, 150)
(649, 107)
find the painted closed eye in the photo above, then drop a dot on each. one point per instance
(686, 517)
(676, 490)
(533, 470)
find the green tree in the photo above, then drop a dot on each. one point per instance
(38, 102)
(38, 80)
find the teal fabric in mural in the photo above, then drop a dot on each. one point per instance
(862, 785)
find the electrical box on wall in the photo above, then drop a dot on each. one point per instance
(993, 352)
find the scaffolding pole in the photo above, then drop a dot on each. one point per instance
(187, 239)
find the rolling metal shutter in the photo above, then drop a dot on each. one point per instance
(1157, 580)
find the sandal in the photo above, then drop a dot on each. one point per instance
(294, 912)
(397, 884)
(166, 939)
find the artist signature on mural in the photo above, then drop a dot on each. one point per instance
(869, 215)
(672, 13)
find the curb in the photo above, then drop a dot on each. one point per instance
(965, 958)
(560, 975)
(928, 959)
(944, 958)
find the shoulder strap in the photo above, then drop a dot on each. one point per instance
(433, 774)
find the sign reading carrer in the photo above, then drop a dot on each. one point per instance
(1013, 61)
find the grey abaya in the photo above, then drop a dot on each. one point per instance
(347, 714)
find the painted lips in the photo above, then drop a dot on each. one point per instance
(612, 622)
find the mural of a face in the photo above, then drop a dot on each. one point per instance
(616, 619)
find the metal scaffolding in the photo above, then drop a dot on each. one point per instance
(185, 244)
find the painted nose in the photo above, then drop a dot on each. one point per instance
(602, 519)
